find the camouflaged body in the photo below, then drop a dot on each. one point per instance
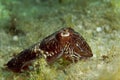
(65, 43)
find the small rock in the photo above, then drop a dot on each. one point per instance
(98, 29)
(15, 38)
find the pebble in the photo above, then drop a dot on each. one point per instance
(98, 29)
(15, 38)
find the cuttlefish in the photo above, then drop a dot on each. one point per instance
(64, 43)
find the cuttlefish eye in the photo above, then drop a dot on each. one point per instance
(63, 34)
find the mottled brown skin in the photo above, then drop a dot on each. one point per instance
(72, 47)
(65, 43)
(21, 61)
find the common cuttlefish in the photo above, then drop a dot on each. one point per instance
(65, 43)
